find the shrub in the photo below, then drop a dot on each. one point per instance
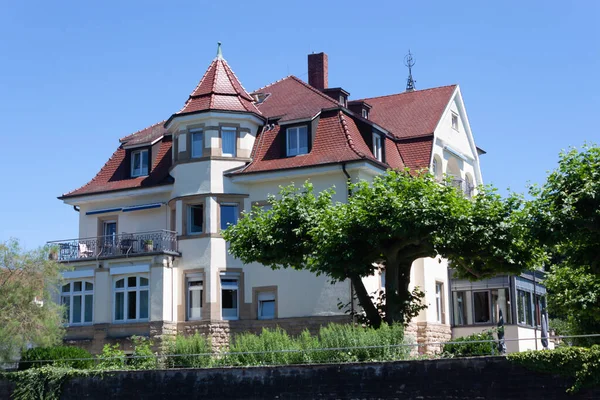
(580, 363)
(111, 358)
(58, 356)
(471, 349)
(143, 357)
(186, 348)
(270, 347)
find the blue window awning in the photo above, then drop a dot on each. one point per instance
(142, 207)
(106, 210)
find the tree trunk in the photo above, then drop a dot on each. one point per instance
(364, 300)
(397, 295)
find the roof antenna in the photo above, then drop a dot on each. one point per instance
(219, 53)
(409, 61)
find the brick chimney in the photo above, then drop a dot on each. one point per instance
(318, 71)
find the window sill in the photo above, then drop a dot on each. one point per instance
(131, 321)
(199, 236)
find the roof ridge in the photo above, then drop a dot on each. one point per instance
(314, 89)
(348, 136)
(401, 93)
(143, 129)
(272, 83)
(203, 77)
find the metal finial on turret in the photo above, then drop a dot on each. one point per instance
(409, 61)
(219, 52)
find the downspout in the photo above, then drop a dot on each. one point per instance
(534, 311)
(348, 194)
(76, 208)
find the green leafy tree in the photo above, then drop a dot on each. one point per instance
(394, 220)
(565, 219)
(28, 316)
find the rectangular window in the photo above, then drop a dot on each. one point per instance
(459, 300)
(229, 298)
(229, 215)
(540, 306)
(78, 297)
(439, 302)
(501, 303)
(266, 305)
(131, 299)
(197, 143)
(195, 219)
(297, 140)
(481, 307)
(365, 114)
(454, 121)
(228, 136)
(139, 163)
(377, 153)
(524, 307)
(195, 289)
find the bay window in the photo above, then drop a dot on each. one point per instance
(195, 221)
(197, 143)
(229, 214)
(78, 299)
(131, 298)
(228, 138)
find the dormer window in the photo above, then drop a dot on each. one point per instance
(197, 142)
(365, 113)
(297, 140)
(139, 163)
(377, 152)
(228, 136)
(454, 121)
(343, 100)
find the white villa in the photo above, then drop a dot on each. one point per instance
(150, 259)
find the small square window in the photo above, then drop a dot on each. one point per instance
(228, 136)
(454, 121)
(197, 143)
(297, 140)
(195, 218)
(139, 163)
(229, 215)
(266, 305)
(377, 150)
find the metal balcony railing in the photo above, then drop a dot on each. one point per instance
(122, 245)
(465, 186)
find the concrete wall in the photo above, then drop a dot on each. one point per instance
(474, 378)
(511, 332)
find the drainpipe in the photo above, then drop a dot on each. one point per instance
(348, 194)
(76, 208)
(534, 312)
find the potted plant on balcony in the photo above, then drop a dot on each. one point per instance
(148, 245)
(53, 253)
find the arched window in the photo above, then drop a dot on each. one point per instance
(469, 186)
(436, 168)
(78, 299)
(131, 298)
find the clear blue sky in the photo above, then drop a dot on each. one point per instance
(76, 77)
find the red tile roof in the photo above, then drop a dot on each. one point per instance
(115, 174)
(291, 99)
(146, 135)
(416, 152)
(337, 139)
(219, 89)
(410, 114)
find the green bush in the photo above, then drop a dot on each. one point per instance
(143, 357)
(58, 356)
(580, 363)
(263, 349)
(471, 349)
(111, 358)
(185, 348)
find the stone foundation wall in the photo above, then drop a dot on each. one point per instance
(430, 332)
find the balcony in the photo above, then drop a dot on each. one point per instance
(115, 246)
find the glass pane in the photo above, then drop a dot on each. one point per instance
(66, 301)
(89, 307)
(197, 143)
(77, 286)
(143, 281)
(302, 140)
(229, 303)
(195, 283)
(229, 215)
(267, 309)
(500, 302)
(132, 281)
(292, 143)
(120, 283)
(196, 218)
(76, 309)
(89, 286)
(143, 304)
(481, 304)
(144, 169)
(131, 305)
(136, 163)
(460, 308)
(66, 288)
(228, 138)
(119, 306)
(195, 304)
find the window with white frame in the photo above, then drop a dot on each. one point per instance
(195, 220)
(228, 139)
(229, 297)
(454, 121)
(524, 309)
(197, 142)
(439, 302)
(131, 298)
(377, 149)
(266, 305)
(195, 296)
(229, 214)
(78, 299)
(365, 113)
(139, 163)
(297, 140)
